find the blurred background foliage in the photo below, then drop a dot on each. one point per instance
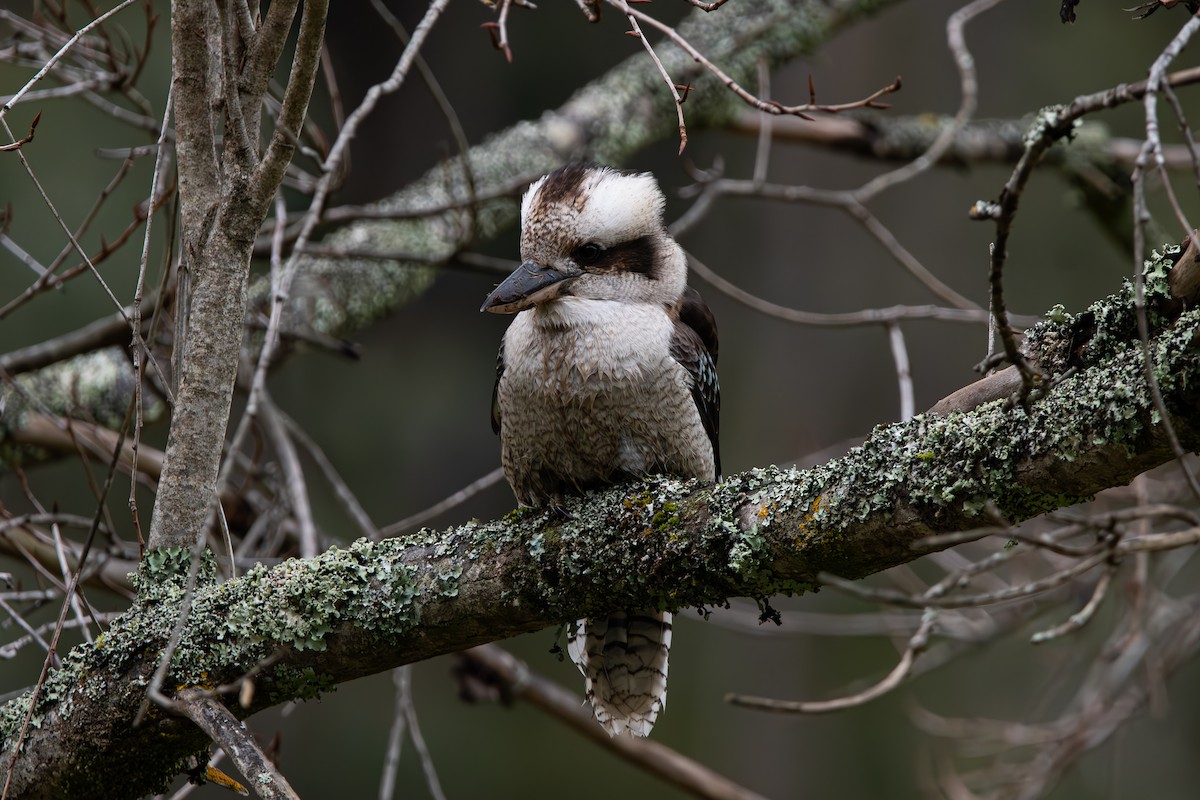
(406, 424)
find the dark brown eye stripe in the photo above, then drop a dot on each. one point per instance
(636, 255)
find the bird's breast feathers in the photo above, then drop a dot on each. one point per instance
(590, 390)
(577, 348)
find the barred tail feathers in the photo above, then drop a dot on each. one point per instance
(623, 659)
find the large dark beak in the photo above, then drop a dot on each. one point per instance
(530, 283)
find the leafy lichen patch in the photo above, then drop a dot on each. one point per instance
(234, 625)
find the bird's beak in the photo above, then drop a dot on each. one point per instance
(529, 284)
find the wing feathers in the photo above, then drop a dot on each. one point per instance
(694, 346)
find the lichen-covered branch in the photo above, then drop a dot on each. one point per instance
(661, 542)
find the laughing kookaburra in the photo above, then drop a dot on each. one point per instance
(608, 372)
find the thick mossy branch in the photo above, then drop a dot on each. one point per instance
(659, 542)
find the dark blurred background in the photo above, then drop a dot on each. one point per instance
(407, 424)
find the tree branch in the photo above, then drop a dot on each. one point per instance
(660, 542)
(238, 743)
(218, 241)
(511, 677)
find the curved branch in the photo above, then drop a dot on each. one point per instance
(373, 605)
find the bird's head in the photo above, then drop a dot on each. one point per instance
(595, 233)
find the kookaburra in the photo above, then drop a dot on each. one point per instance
(608, 372)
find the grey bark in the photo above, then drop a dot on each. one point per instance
(225, 200)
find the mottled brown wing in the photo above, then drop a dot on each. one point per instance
(694, 346)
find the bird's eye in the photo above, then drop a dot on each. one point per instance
(587, 254)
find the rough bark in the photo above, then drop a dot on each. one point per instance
(657, 543)
(223, 207)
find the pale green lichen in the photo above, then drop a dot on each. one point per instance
(1046, 123)
(960, 463)
(96, 386)
(303, 683)
(236, 624)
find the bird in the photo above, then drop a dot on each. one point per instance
(607, 373)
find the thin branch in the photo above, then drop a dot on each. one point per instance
(344, 494)
(491, 664)
(262, 55)
(240, 140)
(902, 670)
(17, 145)
(903, 373)
(62, 617)
(391, 758)
(22, 255)
(301, 80)
(448, 111)
(1083, 615)
(845, 201)
(762, 150)
(767, 106)
(462, 495)
(138, 366)
(1153, 146)
(966, 601)
(282, 290)
(636, 32)
(237, 741)
(137, 336)
(867, 316)
(403, 679)
(62, 51)
(297, 489)
(968, 89)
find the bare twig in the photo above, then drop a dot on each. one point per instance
(62, 614)
(459, 497)
(636, 32)
(17, 145)
(903, 373)
(867, 316)
(1153, 147)
(902, 670)
(968, 88)
(343, 491)
(391, 759)
(403, 679)
(282, 291)
(448, 111)
(515, 678)
(766, 106)
(297, 488)
(53, 60)
(762, 150)
(964, 601)
(1083, 615)
(237, 741)
(845, 201)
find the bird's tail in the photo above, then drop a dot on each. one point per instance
(623, 659)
